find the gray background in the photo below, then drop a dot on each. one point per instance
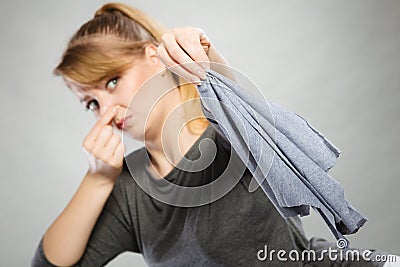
(334, 62)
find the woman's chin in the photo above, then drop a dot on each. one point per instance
(136, 133)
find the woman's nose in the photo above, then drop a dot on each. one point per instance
(105, 103)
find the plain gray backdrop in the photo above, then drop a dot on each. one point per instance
(336, 63)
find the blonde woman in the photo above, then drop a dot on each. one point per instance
(105, 64)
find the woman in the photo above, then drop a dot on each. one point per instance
(107, 61)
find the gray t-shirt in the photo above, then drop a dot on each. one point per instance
(230, 231)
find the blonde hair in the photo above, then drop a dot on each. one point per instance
(107, 44)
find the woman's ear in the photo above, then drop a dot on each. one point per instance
(151, 53)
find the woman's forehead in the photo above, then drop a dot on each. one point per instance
(76, 86)
(81, 91)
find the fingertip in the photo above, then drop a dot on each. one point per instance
(114, 110)
(201, 74)
(205, 65)
(197, 82)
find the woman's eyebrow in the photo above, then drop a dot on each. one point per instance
(84, 99)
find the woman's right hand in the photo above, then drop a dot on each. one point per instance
(104, 148)
(66, 239)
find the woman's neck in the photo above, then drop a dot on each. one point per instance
(171, 138)
(166, 153)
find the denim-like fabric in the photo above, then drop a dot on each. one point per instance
(287, 156)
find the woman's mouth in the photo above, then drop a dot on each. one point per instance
(124, 123)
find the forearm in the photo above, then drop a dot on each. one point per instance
(222, 65)
(65, 241)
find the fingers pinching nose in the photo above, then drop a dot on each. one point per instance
(116, 108)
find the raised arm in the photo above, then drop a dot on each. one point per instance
(112, 234)
(66, 239)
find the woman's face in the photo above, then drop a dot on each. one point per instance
(133, 117)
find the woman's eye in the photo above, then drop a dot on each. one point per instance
(92, 105)
(111, 84)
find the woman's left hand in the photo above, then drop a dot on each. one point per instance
(184, 52)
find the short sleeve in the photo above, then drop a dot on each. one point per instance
(112, 234)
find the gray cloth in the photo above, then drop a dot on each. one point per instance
(287, 156)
